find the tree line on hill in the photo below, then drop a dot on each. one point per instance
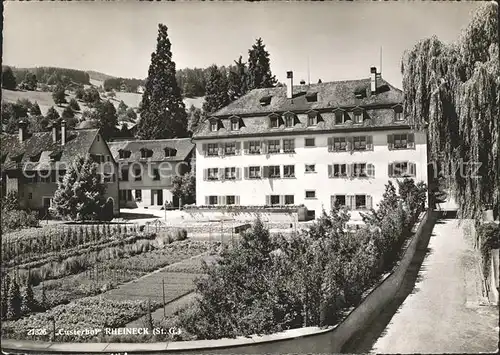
(51, 75)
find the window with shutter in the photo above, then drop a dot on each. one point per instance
(411, 140)
(413, 169)
(268, 200)
(350, 202)
(282, 200)
(238, 148)
(349, 143)
(246, 146)
(265, 175)
(246, 172)
(237, 200)
(369, 202)
(330, 170)
(390, 170)
(207, 202)
(238, 173)
(264, 147)
(289, 145)
(221, 173)
(205, 174)
(390, 141)
(330, 144)
(369, 142)
(370, 168)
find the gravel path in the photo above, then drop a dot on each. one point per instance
(443, 313)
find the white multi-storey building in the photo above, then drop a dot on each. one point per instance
(337, 142)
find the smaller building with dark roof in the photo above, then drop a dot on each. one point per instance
(31, 164)
(147, 168)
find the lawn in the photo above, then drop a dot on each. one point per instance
(43, 98)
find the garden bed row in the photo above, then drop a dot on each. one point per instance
(108, 274)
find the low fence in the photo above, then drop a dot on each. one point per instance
(244, 214)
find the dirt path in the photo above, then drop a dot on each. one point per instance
(443, 313)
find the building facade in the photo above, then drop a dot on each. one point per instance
(147, 167)
(33, 163)
(314, 145)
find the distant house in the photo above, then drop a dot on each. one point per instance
(146, 169)
(141, 89)
(32, 164)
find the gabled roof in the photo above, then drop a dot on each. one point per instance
(329, 95)
(78, 143)
(183, 147)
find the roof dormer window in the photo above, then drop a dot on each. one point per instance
(214, 125)
(124, 154)
(398, 113)
(170, 152)
(265, 100)
(339, 116)
(274, 120)
(312, 118)
(235, 123)
(358, 116)
(289, 119)
(146, 153)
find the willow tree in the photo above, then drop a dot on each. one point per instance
(453, 91)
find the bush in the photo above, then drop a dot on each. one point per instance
(489, 235)
(17, 219)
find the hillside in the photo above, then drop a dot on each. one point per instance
(45, 100)
(97, 76)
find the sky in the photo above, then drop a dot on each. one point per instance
(335, 40)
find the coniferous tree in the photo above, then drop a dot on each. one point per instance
(52, 115)
(122, 108)
(195, 118)
(217, 91)
(80, 194)
(68, 113)
(30, 82)
(28, 301)
(79, 93)
(163, 114)
(238, 80)
(106, 118)
(74, 105)
(8, 79)
(35, 109)
(259, 67)
(4, 295)
(59, 95)
(14, 301)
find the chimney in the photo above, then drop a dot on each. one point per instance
(289, 85)
(373, 80)
(54, 132)
(63, 132)
(22, 131)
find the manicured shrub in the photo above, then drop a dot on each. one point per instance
(14, 301)
(28, 300)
